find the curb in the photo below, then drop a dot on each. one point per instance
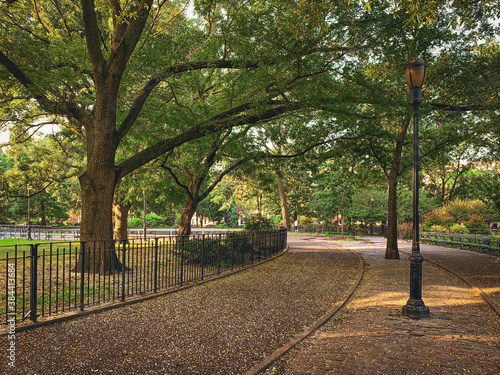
(264, 364)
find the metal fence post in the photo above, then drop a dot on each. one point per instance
(202, 256)
(82, 275)
(244, 244)
(182, 260)
(156, 265)
(232, 250)
(124, 248)
(33, 282)
(251, 248)
(218, 255)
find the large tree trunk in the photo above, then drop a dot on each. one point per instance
(186, 216)
(97, 222)
(121, 219)
(98, 184)
(42, 210)
(392, 251)
(284, 205)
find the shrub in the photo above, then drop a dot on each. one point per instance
(476, 222)
(257, 222)
(439, 229)
(460, 210)
(135, 223)
(232, 216)
(437, 218)
(153, 220)
(460, 229)
(276, 219)
(305, 220)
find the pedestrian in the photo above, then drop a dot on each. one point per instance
(296, 226)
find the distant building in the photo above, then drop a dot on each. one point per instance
(75, 219)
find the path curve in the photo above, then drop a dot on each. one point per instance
(369, 335)
(264, 364)
(488, 270)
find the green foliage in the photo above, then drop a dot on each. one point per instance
(460, 210)
(332, 196)
(135, 223)
(232, 216)
(305, 220)
(42, 164)
(437, 218)
(154, 221)
(475, 222)
(461, 229)
(211, 210)
(363, 208)
(436, 228)
(257, 223)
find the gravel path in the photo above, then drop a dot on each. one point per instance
(369, 335)
(221, 327)
(480, 269)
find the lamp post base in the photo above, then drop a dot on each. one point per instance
(416, 309)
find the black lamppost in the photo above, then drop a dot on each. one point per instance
(415, 307)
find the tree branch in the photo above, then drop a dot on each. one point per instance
(459, 108)
(153, 82)
(66, 109)
(210, 126)
(92, 36)
(177, 181)
(258, 157)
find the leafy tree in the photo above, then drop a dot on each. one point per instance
(41, 167)
(257, 223)
(460, 210)
(116, 71)
(383, 128)
(211, 210)
(482, 184)
(333, 196)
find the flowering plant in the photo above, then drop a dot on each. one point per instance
(436, 218)
(476, 222)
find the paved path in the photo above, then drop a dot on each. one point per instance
(480, 269)
(224, 326)
(369, 335)
(229, 325)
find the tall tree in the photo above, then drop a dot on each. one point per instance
(130, 75)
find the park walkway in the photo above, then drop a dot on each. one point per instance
(230, 325)
(224, 326)
(369, 335)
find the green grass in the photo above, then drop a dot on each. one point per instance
(8, 245)
(15, 241)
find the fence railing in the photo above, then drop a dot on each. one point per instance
(47, 279)
(39, 232)
(46, 233)
(473, 241)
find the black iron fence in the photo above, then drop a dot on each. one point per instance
(472, 241)
(47, 279)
